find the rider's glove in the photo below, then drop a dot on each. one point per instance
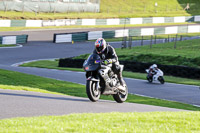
(108, 61)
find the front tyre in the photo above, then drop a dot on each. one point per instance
(161, 79)
(149, 79)
(92, 90)
(121, 97)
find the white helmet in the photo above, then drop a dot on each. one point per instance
(154, 66)
(100, 45)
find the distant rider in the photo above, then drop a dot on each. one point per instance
(108, 55)
(153, 69)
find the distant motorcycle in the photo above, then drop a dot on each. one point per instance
(102, 80)
(158, 76)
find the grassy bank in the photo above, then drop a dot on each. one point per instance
(27, 82)
(186, 53)
(119, 9)
(156, 122)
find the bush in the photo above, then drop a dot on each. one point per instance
(173, 70)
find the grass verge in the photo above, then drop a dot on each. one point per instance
(4, 45)
(156, 122)
(19, 81)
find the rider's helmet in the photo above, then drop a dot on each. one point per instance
(154, 66)
(100, 45)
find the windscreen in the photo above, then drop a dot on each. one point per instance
(93, 60)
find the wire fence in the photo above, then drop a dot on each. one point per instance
(129, 42)
(92, 6)
(50, 5)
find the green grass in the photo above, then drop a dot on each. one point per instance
(187, 49)
(19, 81)
(119, 9)
(186, 53)
(54, 65)
(4, 45)
(154, 122)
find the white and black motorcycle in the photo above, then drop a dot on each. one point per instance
(155, 76)
(102, 80)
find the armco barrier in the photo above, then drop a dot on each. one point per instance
(69, 37)
(92, 35)
(1, 39)
(14, 39)
(87, 22)
(179, 71)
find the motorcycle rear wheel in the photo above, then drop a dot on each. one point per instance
(121, 97)
(92, 91)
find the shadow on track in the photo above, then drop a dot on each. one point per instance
(45, 97)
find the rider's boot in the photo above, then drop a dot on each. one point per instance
(121, 81)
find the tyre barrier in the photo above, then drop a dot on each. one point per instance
(172, 70)
(92, 22)
(13, 39)
(93, 35)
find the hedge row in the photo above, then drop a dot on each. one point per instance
(179, 71)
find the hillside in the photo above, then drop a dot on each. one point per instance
(138, 8)
(120, 9)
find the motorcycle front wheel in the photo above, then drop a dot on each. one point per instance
(161, 79)
(121, 97)
(149, 79)
(92, 91)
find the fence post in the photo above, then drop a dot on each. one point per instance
(5, 8)
(23, 7)
(124, 42)
(181, 38)
(144, 7)
(54, 10)
(119, 9)
(95, 10)
(142, 41)
(168, 38)
(175, 41)
(155, 40)
(151, 41)
(130, 42)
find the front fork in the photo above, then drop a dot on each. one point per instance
(90, 77)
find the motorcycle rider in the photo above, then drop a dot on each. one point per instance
(108, 55)
(153, 69)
